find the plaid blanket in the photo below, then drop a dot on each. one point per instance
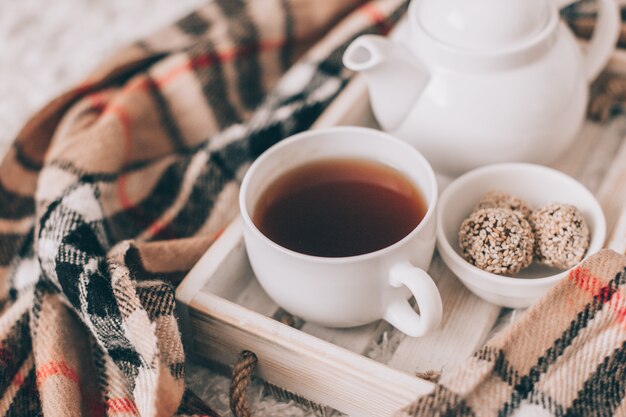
(114, 190)
(565, 357)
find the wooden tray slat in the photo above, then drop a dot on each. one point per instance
(612, 195)
(600, 157)
(617, 241)
(357, 340)
(467, 318)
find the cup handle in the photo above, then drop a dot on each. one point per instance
(400, 313)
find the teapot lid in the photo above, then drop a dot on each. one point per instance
(483, 25)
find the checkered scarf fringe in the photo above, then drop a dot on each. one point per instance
(114, 190)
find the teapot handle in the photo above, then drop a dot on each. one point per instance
(604, 39)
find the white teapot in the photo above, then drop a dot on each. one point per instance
(474, 82)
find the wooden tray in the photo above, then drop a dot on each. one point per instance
(223, 310)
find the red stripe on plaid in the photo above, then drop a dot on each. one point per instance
(124, 119)
(157, 227)
(208, 60)
(621, 315)
(122, 193)
(584, 280)
(376, 17)
(58, 368)
(174, 73)
(84, 87)
(18, 379)
(219, 233)
(120, 112)
(231, 54)
(98, 102)
(618, 305)
(121, 405)
(204, 61)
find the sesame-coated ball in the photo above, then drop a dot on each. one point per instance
(497, 240)
(561, 235)
(498, 199)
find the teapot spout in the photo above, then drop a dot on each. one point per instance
(395, 77)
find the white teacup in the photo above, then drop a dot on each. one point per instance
(354, 290)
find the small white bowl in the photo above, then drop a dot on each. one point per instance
(536, 184)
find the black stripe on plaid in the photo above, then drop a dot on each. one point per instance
(206, 189)
(157, 298)
(210, 76)
(440, 403)
(501, 366)
(228, 170)
(606, 388)
(244, 33)
(42, 288)
(84, 236)
(165, 115)
(546, 402)
(298, 113)
(14, 206)
(99, 363)
(137, 270)
(128, 360)
(130, 222)
(177, 370)
(526, 383)
(144, 46)
(109, 177)
(80, 245)
(83, 176)
(25, 253)
(10, 245)
(193, 24)
(286, 53)
(99, 294)
(14, 351)
(25, 161)
(26, 400)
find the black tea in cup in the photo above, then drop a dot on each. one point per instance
(339, 207)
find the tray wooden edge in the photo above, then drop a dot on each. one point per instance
(298, 362)
(288, 357)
